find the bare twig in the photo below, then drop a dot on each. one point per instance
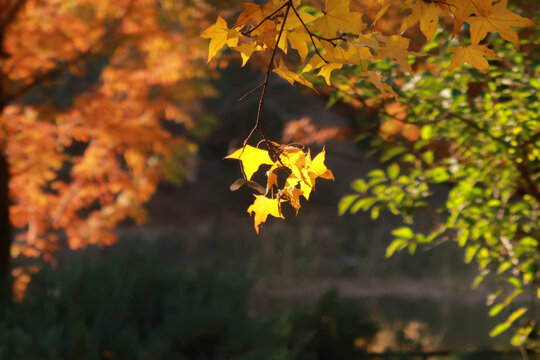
(250, 92)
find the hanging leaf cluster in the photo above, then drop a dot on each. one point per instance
(299, 169)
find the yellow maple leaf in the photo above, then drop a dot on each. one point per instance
(338, 16)
(293, 22)
(326, 71)
(220, 35)
(252, 158)
(290, 76)
(396, 48)
(262, 207)
(354, 54)
(472, 54)
(495, 18)
(246, 50)
(299, 39)
(376, 80)
(425, 13)
(252, 13)
(306, 175)
(461, 9)
(385, 4)
(317, 168)
(293, 194)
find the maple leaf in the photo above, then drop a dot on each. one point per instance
(385, 4)
(293, 194)
(326, 71)
(262, 207)
(376, 80)
(396, 49)
(460, 11)
(472, 54)
(495, 18)
(299, 39)
(425, 13)
(353, 53)
(246, 50)
(338, 16)
(317, 167)
(290, 76)
(252, 158)
(220, 35)
(253, 13)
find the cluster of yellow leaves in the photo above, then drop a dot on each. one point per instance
(299, 170)
(337, 36)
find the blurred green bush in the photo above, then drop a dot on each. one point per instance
(130, 307)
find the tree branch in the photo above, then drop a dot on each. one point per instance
(264, 86)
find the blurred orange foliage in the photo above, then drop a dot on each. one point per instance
(77, 169)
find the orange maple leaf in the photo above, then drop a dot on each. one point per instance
(495, 18)
(472, 54)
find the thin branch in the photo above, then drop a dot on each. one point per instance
(250, 92)
(264, 86)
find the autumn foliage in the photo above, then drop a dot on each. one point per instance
(86, 88)
(331, 38)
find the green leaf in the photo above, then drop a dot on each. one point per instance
(363, 204)
(463, 237)
(428, 157)
(403, 232)
(515, 282)
(516, 314)
(346, 202)
(393, 171)
(495, 310)
(392, 153)
(503, 267)
(396, 245)
(521, 336)
(359, 185)
(426, 132)
(375, 212)
(470, 252)
(439, 174)
(377, 173)
(499, 329)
